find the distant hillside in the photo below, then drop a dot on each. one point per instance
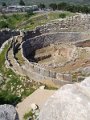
(30, 2)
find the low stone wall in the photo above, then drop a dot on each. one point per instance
(77, 23)
(80, 22)
(15, 66)
(38, 42)
(6, 56)
(6, 34)
(3, 45)
(39, 72)
(31, 34)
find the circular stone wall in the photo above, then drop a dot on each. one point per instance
(57, 56)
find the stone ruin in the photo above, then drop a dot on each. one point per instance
(56, 53)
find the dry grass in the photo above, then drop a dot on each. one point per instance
(20, 58)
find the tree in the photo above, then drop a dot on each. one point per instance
(62, 6)
(21, 3)
(85, 9)
(71, 8)
(4, 4)
(41, 6)
(53, 6)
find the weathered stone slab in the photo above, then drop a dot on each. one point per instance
(71, 102)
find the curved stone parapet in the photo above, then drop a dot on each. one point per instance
(44, 40)
(6, 34)
(11, 61)
(76, 23)
(40, 72)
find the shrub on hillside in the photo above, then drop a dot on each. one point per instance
(53, 6)
(6, 97)
(3, 24)
(62, 15)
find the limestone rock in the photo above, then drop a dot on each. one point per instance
(86, 70)
(71, 102)
(8, 112)
(42, 87)
(34, 106)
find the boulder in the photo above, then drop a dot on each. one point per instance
(34, 106)
(71, 102)
(8, 112)
(42, 87)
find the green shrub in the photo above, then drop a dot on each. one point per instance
(29, 114)
(6, 97)
(4, 24)
(15, 16)
(62, 15)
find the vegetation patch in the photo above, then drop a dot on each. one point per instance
(15, 87)
(28, 115)
(41, 19)
(30, 20)
(62, 15)
(32, 115)
(13, 20)
(19, 57)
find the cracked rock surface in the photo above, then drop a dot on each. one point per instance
(8, 112)
(71, 102)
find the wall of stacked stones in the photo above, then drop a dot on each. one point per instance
(6, 34)
(11, 47)
(77, 23)
(31, 34)
(74, 23)
(44, 40)
(38, 42)
(6, 56)
(39, 73)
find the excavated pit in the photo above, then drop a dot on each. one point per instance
(58, 57)
(62, 57)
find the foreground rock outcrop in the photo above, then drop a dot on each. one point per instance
(8, 112)
(71, 102)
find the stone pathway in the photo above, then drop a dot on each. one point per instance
(39, 97)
